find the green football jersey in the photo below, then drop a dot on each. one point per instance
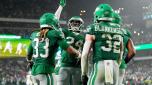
(44, 51)
(76, 40)
(106, 45)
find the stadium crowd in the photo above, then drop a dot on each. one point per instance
(14, 72)
(20, 9)
(27, 9)
(139, 73)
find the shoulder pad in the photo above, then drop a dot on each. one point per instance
(34, 34)
(127, 32)
(90, 27)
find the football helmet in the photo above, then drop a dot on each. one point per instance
(75, 23)
(48, 20)
(116, 18)
(103, 12)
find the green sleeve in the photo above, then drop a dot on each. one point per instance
(90, 29)
(30, 52)
(31, 37)
(125, 40)
(63, 44)
(65, 31)
(129, 34)
(62, 41)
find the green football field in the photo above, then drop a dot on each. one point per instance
(13, 44)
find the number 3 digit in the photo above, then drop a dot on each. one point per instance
(115, 44)
(36, 40)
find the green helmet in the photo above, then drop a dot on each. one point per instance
(116, 18)
(75, 23)
(48, 20)
(103, 12)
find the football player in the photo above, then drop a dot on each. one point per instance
(107, 43)
(128, 47)
(43, 47)
(70, 71)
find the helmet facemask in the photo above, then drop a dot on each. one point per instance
(75, 23)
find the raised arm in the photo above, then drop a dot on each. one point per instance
(60, 8)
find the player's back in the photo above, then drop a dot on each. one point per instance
(44, 51)
(107, 41)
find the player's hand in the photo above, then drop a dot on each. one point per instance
(62, 3)
(79, 55)
(119, 62)
(84, 79)
(29, 65)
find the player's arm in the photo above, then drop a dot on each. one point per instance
(29, 57)
(60, 8)
(30, 52)
(131, 51)
(65, 46)
(84, 58)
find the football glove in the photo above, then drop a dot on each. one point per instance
(29, 65)
(84, 79)
(62, 3)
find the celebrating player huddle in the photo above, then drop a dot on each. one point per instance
(105, 36)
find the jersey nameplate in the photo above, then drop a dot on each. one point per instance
(108, 29)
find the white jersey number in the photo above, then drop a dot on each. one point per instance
(46, 41)
(70, 40)
(112, 46)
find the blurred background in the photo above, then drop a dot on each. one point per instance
(18, 18)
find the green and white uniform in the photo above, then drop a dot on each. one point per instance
(70, 71)
(106, 50)
(43, 53)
